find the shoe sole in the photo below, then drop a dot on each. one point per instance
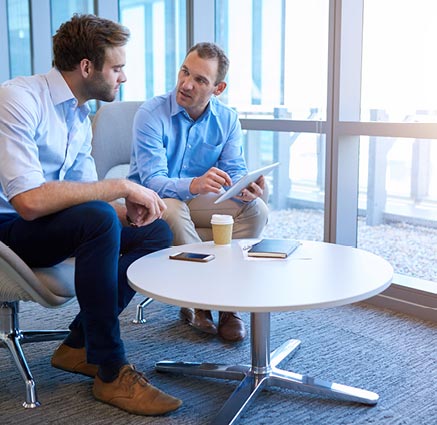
(139, 413)
(232, 340)
(77, 372)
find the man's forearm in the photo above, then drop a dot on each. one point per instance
(58, 195)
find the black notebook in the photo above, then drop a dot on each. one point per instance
(273, 248)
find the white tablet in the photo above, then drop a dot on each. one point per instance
(237, 187)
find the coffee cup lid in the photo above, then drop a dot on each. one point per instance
(221, 219)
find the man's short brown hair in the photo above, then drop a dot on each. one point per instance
(207, 50)
(86, 37)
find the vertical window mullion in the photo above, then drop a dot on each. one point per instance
(346, 100)
(203, 21)
(41, 36)
(4, 43)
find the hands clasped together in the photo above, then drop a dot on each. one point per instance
(143, 205)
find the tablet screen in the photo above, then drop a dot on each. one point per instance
(236, 188)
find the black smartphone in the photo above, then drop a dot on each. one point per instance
(192, 256)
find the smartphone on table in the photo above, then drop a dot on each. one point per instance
(192, 256)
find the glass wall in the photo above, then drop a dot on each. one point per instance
(296, 188)
(63, 10)
(399, 68)
(280, 71)
(21, 50)
(20, 59)
(157, 46)
(396, 218)
(278, 53)
(397, 198)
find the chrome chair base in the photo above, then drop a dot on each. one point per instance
(264, 373)
(139, 318)
(12, 337)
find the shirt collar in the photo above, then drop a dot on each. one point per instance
(60, 92)
(175, 108)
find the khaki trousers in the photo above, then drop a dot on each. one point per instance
(190, 221)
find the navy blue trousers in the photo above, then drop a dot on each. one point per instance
(104, 249)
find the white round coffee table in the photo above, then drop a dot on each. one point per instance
(316, 275)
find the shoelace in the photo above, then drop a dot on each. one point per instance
(226, 315)
(132, 376)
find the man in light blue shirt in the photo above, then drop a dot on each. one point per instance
(52, 207)
(187, 147)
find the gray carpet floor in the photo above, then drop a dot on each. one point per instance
(359, 345)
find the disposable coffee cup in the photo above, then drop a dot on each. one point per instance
(222, 228)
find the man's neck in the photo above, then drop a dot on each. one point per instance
(74, 83)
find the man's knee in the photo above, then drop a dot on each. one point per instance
(97, 216)
(176, 210)
(162, 233)
(263, 211)
(251, 221)
(178, 216)
(98, 210)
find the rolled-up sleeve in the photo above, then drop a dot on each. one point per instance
(19, 163)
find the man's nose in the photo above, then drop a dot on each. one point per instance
(122, 77)
(187, 84)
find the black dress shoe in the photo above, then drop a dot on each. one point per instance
(231, 327)
(199, 319)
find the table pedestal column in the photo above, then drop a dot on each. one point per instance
(263, 372)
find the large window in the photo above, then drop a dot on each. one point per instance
(281, 75)
(397, 218)
(399, 67)
(63, 10)
(157, 46)
(19, 38)
(397, 195)
(278, 52)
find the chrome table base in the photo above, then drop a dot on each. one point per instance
(263, 373)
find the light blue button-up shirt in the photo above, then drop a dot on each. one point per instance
(170, 149)
(44, 135)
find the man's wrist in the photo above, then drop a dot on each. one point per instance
(191, 188)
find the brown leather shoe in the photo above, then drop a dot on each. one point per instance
(231, 327)
(199, 319)
(132, 392)
(73, 360)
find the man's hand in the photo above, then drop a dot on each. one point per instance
(212, 181)
(143, 205)
(253, 191)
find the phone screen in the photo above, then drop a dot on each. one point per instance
(192, 256)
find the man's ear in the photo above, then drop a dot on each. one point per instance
(85, 67)
(220, 88)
